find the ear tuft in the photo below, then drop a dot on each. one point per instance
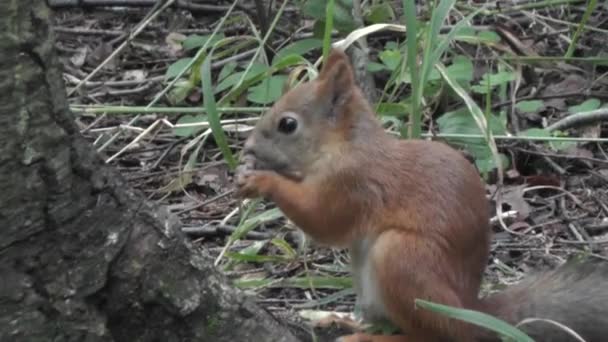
(337, 66)
(337, 75)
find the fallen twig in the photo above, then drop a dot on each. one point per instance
(580, 119)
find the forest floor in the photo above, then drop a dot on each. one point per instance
(558, 197)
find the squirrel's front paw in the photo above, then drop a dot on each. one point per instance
(252, 183)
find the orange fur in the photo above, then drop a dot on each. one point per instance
(413, 213)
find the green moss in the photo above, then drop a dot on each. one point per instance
(213, 324)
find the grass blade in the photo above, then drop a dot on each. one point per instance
(478, 318)
(580, 28)
(411, 23)
(329, 26)
(213, 114)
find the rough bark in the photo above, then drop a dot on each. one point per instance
(82, 258)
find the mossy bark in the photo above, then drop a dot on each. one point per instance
(82, 257)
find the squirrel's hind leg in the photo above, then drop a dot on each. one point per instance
(409, 267)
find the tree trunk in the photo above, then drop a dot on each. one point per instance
(82, 257)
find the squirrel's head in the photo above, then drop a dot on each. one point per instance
(309, 122)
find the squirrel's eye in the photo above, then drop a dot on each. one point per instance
(288, 125)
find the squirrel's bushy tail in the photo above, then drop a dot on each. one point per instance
(574, 295)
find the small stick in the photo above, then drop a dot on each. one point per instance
(579, 119)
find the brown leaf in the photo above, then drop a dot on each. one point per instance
(519, 226)
(538, 180)
(571, 83)
(578, 152)
(591, 131)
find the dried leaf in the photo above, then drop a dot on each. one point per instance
(514, 197)
(80, 56)
(174, 42)
(571, 83)
(135, 75)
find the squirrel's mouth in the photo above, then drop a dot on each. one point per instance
(258, 162)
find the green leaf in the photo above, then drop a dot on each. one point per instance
(375, 67)
(343, 18)
(228, 82)
(462, 122)
(341, 14)
(254, 221)
(489, 36)
(188, 131)
(180, 91)
(461, 69)
(588, 105)
(249, 253)
(390, 58)
(396, 109)
(268, 91)
(288, 61)
(530, 106)
(174, 69)
(195, 41)
(467, 34)
(477, 318)
(299, 47)
(318, 29)
(472, 36)
(486, 163)
(535, 132)
(542, 133)
(561, 145)
(493, 80)
(314, 8)
(227, 70)
(379, 13)
(498, 78)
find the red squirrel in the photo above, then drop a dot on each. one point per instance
(413, 214)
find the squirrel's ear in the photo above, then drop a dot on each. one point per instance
(336, 76)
